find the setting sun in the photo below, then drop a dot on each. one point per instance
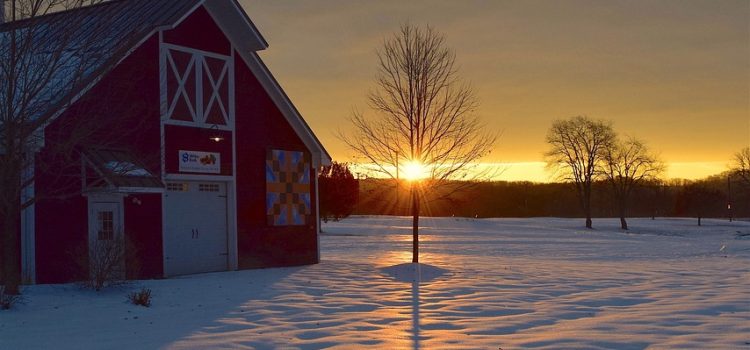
(413, 171)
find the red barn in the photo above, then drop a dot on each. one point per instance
(177, 138)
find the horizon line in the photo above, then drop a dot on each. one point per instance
(536, 172)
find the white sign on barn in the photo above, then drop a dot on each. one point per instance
(200, 162)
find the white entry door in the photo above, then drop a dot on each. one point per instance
(195, 239)
(106, 235)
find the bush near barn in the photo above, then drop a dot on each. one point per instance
(339, 191)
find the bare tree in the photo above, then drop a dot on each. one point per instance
(699, 199)
(576, 152)
(43, 65)
(424, 118)
(626, 165)
(741, 164)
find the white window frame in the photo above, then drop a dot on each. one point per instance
(198, 65)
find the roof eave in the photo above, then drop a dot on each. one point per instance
(236, 24)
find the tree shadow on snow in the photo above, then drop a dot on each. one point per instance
(416, 274)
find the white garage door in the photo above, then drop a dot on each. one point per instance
(195, 239)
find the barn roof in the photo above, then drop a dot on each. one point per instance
(87, 42)
(66, 51)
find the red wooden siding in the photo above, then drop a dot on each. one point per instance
(123, 108)
(143, 223)
(261, 126)
(199, 31)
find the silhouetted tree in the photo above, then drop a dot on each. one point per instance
(741, 164)
(699, 200)
(576, 152)
(424, 118)
(339, 191)
(627, 164)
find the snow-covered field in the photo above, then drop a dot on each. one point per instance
(484, 284)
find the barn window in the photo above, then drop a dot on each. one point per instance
(208, 187)
(198, 86)
(177, 187)
(106, 221)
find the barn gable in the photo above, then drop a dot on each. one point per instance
(112, 30)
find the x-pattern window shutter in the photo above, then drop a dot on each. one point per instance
(181, 83)
(215, 90)
(198, 86)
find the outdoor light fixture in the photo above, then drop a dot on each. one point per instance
(215, 136)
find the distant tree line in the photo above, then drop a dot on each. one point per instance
(726, 195)
(707, 198)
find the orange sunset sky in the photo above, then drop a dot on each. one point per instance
(673, 73)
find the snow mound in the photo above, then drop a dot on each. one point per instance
(414, 272)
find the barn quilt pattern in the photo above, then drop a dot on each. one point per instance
(287, 188)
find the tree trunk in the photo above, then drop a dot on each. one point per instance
(623, 223)
(10, 200)
(415, 224)
(11, 268)
(587, 206)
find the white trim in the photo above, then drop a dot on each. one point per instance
(215, 100)
(198, 66)
(162, 143)
(200, 115)
(233, 245)
(28, 225)
(163, 233)
(317, 212)
(163, 103)
(182, 78)
(197, 125)
(122, 190)
(104, 196)
(194, 51)
(232, 91)
(119, 229)
(195, 177)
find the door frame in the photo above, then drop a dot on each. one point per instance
(231, 213)
(115, 199)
